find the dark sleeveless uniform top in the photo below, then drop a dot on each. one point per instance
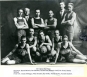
(20, 51)
(57, 41)
(18, 54)
(50, 22)
(68, 56)
(68, 17)
(43, 41)
(20, 21)
(30, 42)
(37, 21)
(68, 47)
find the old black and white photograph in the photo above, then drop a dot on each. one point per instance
(43, 32)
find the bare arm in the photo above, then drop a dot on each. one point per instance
(15, 22)
(46, 26)
(28, 50)
(26, 25)
(35, 43)
(75, 49)
(46, 22)
(58, 50)
(16, 46)
(72, 20)
(57, 54)
(52, 44)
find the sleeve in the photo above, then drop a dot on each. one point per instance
(47, 38)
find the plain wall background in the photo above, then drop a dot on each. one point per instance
(9, 11)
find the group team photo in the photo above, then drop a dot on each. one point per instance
(49, 39)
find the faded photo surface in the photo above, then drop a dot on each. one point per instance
(49, 32)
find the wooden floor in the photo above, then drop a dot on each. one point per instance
(44, 63)
(50, 63)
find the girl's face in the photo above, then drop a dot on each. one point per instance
(27, 11)
(20, 12)
(51, 14)
(70, 7)
(56, 33)
(41, 34)
(31, 32)
(62, 5)
(37, 13)
(23, 40)
(65, 39)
